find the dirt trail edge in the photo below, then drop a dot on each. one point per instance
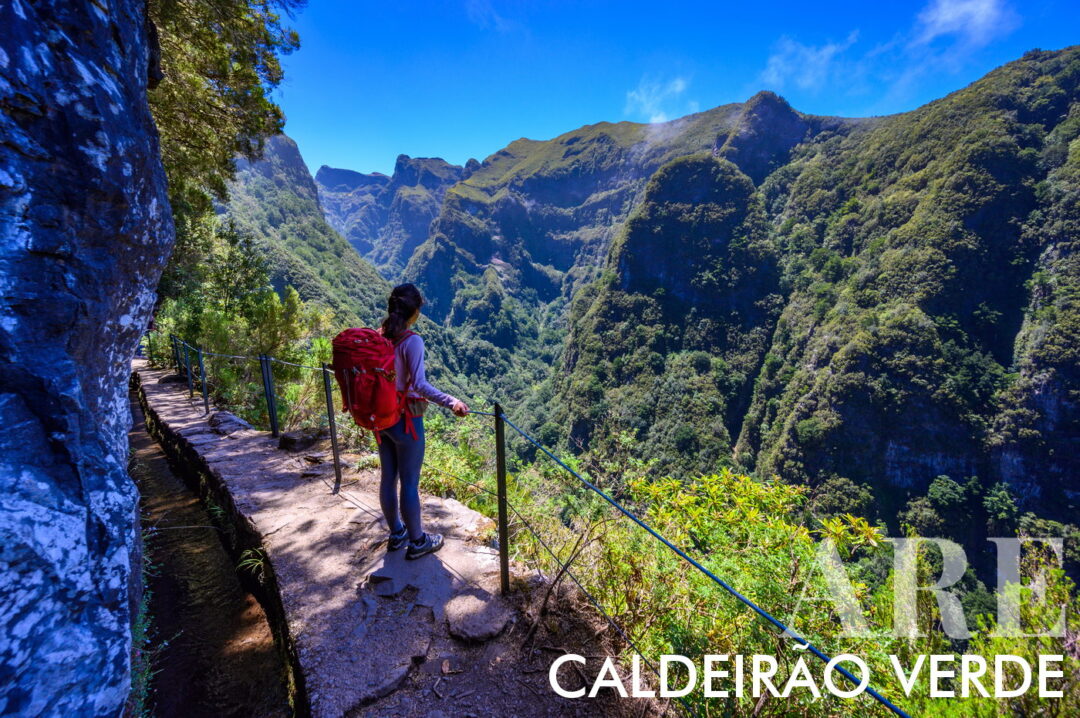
(363, 632)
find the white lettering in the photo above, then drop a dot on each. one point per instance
(800, 678)
(691, 679)
(907, 681)
(553, 677)
(1000, 691)
(1045, 672)
(831, 666)
(608, 678)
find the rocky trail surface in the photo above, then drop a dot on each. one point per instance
(366, 632)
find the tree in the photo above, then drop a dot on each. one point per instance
(1001, 511)
(220, 63)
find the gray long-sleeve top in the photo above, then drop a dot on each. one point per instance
(409, 362)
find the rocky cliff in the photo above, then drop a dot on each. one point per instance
(386, 218)
(85, 229)
(534, 222)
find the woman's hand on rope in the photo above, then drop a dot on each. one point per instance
(459, 408)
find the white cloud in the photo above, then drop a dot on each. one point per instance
(945, 36)
(973, 22)
(657, 100)
(808, 67)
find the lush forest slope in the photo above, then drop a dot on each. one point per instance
(275, 201)
(535, 220)
(889, 303)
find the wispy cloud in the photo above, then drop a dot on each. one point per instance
(483, 13)
(658, 101)
(808, 67)
(942, 37)
(974, 23)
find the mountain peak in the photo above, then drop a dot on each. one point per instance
(766, 131)
(428, 172)
(342, 180)
(767, 99)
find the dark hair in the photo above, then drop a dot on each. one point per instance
(404, 300)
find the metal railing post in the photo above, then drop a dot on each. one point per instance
(273, 396)
(175, 352)
(500, 468)
(333, 426)
(268, 391)
(187, 370)
(266, 386)
(202, 382)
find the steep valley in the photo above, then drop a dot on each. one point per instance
(862, 306)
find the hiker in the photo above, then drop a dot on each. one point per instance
(401, 449)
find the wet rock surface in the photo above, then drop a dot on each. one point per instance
(85, 228)
(370, 632)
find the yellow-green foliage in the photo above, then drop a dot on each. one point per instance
(756, 536)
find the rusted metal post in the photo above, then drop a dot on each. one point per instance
(327, 371)
(504, 533)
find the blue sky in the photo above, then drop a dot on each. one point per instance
(463, 78)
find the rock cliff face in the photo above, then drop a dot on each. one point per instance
(85, 230)
(387, 218)
(680, 323)
(534, 222)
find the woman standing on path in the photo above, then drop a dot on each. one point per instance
(401, 451)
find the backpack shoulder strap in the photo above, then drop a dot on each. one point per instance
(397, 342)
(403, 336)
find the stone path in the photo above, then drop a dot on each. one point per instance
(371, 633)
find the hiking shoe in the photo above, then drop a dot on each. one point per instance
(398, 539)
(429, 544)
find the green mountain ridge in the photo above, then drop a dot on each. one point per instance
(864, 304)
(276, 201)
(922, 323)
(542, 215)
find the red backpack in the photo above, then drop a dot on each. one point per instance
(364, 367)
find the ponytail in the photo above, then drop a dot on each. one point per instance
(404, 301)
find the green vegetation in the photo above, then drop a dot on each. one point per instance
(220, 63)
(760, 536)
(903, 314)
(666, 345)
(767, 329)
(275, 201)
